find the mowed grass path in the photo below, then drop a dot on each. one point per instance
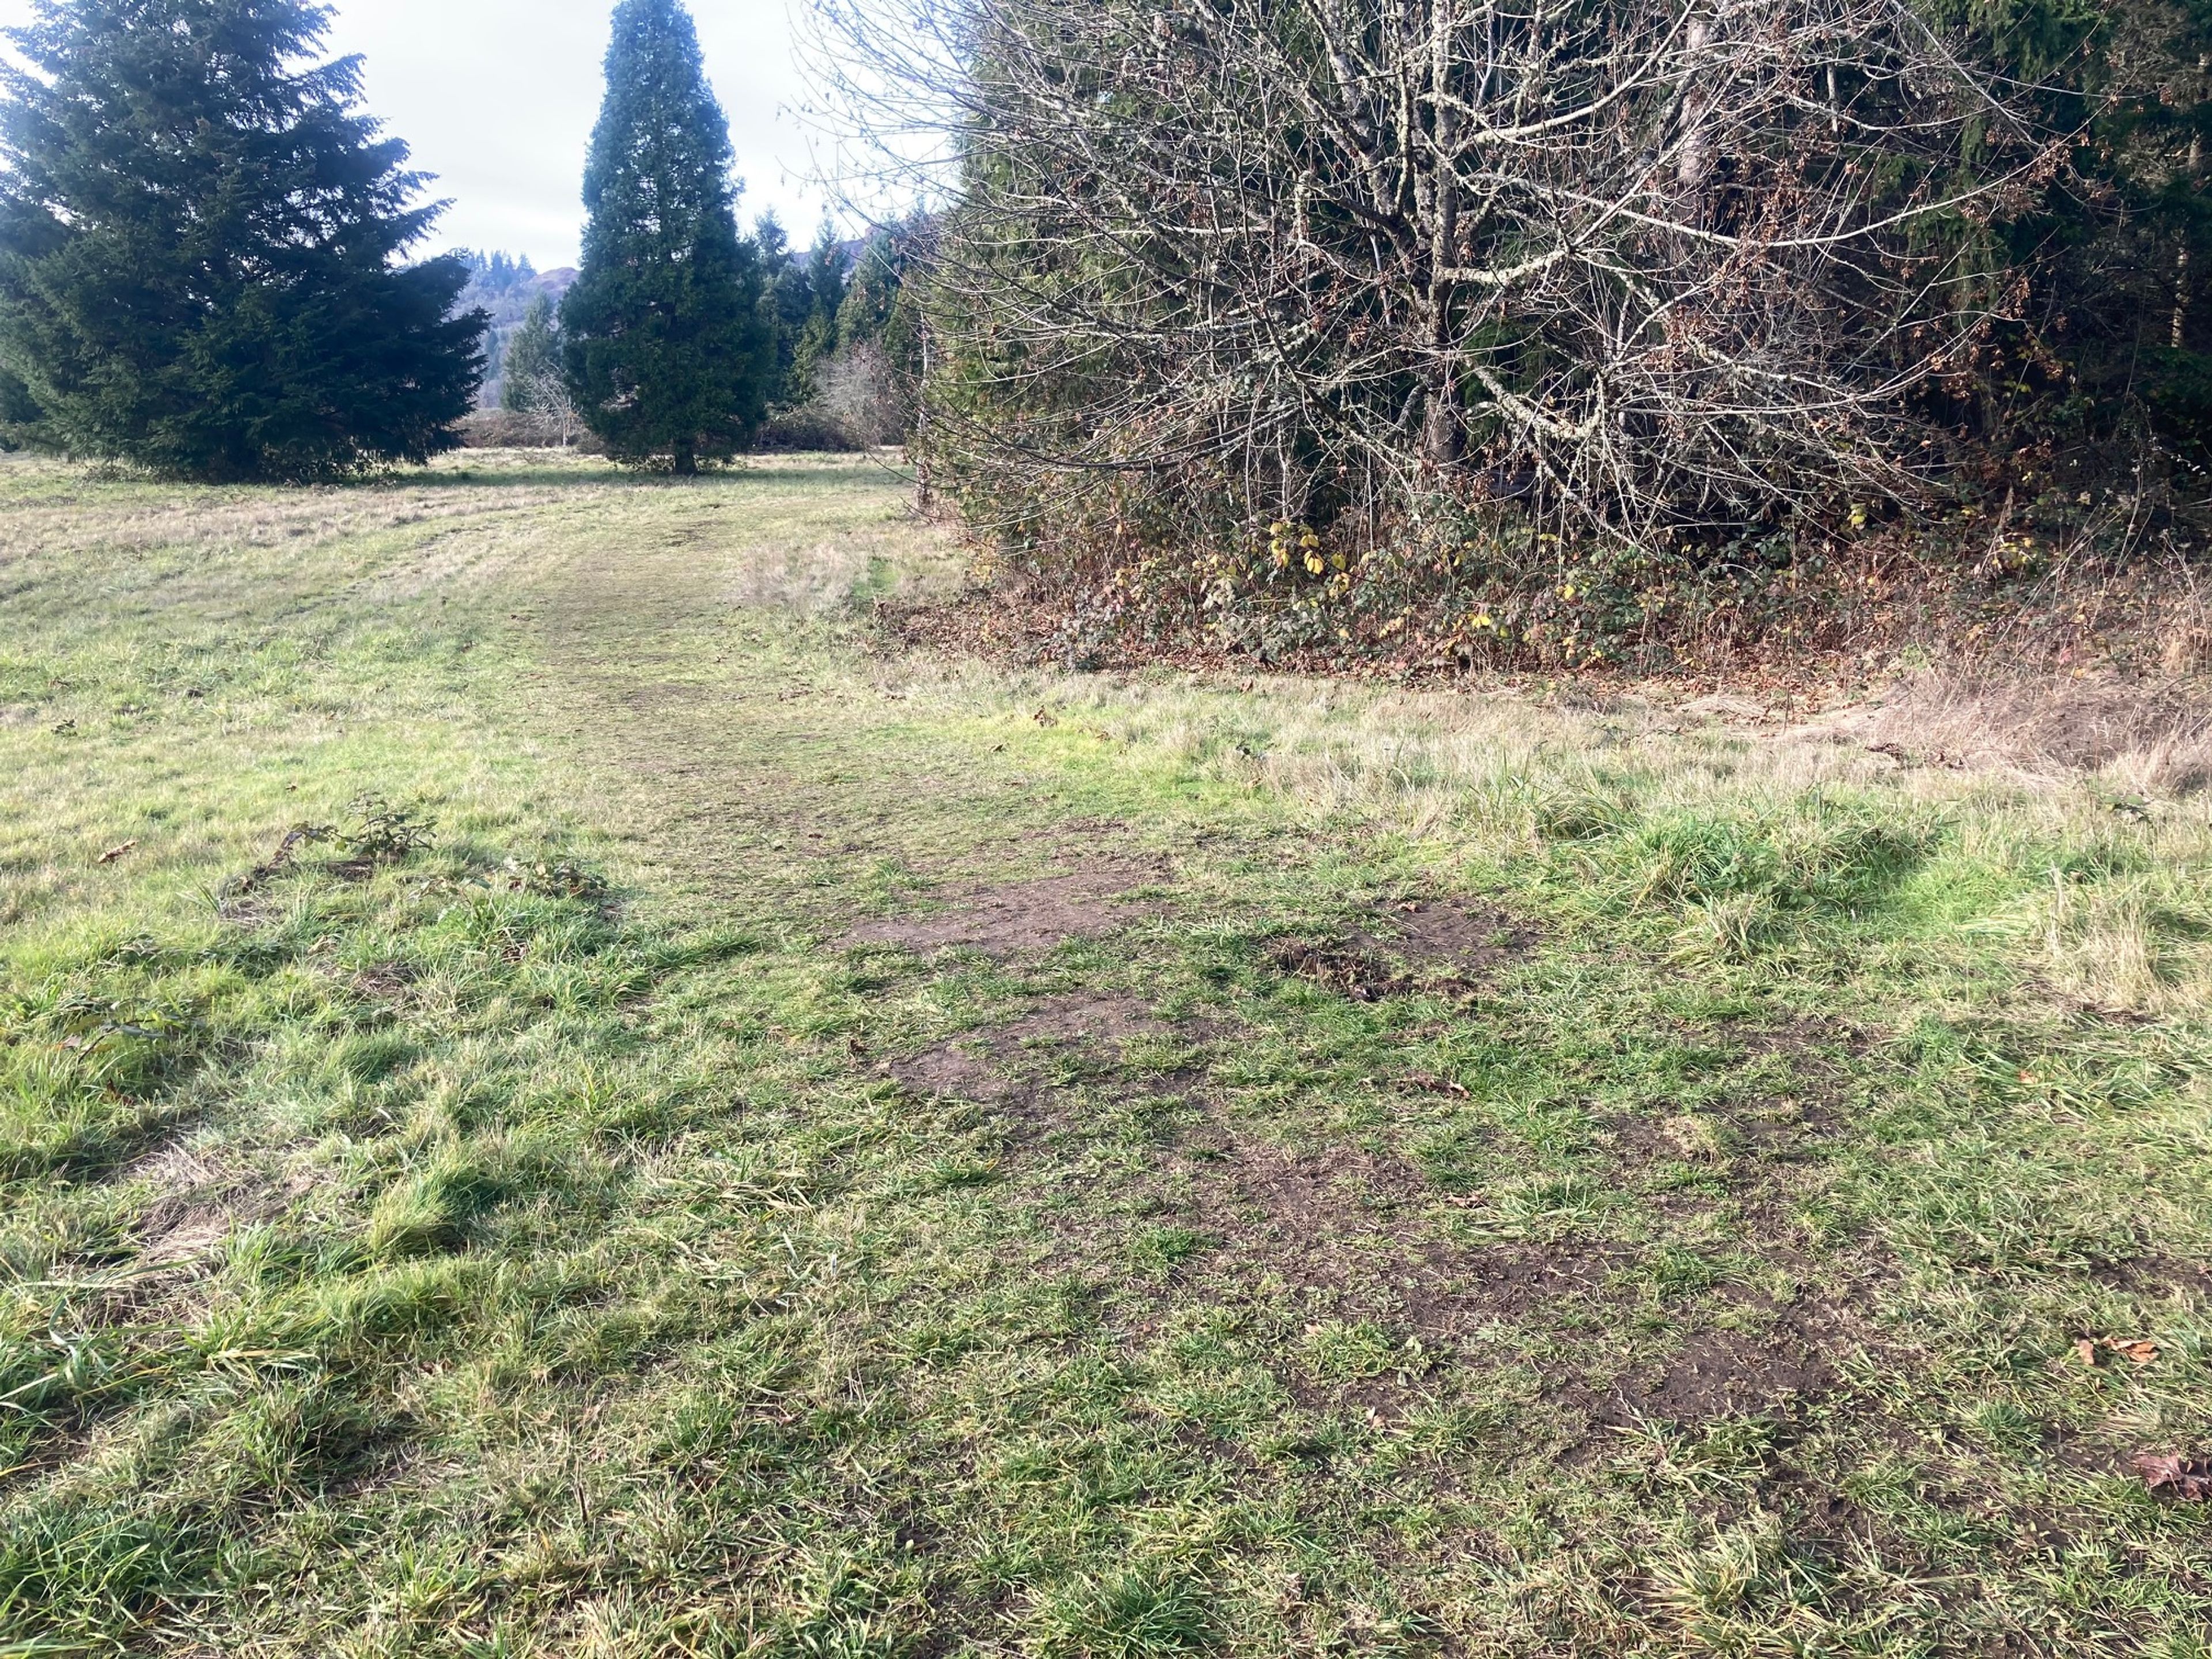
(720, 1137)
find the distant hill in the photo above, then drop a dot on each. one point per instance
(509, 306)
(505, 287)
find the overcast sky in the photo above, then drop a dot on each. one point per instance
(497, 98)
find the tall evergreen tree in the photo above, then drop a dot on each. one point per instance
(200, 238)
(791, 298)
(825, 293)
(872, 293)
(18, 415)
(670, 353)
(533, 358)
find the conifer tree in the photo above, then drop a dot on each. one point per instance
(18, 415)
(200, 244)
(791, 300)
(533, 359)
(670, 353)
(825, 293)
(872, 293)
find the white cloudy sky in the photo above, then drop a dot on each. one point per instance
(497, 98)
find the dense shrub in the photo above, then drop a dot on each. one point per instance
(507, 428)
(1299, 334)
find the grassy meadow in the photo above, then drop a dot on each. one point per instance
(560, 1095)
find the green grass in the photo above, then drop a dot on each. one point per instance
(558, 1232)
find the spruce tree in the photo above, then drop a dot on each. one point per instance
(200, 245)
(533, 358)
(670, 352)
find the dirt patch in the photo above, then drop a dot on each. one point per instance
(955, 1071)
(1085, 1021)
(1002, 1065)
(1019, 918)
(1794, 1353)
(1718, 1373)
(1269, 1196)
(1466, 938)
(1466, 1290)
(1442, 947)
(1352, 1235)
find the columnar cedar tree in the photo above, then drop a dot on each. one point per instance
(670, 353)
(200, 242)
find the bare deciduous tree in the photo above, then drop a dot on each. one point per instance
(1644, 265)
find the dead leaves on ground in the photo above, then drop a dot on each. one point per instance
(2189, 1479)
(1359, 977)
(1428, 1082)
(2090, 1350)
(1349, 974)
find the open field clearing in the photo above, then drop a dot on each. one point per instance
(558, 1096)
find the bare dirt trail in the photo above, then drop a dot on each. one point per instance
(713, 681)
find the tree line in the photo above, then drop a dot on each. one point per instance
(204, 270)
(1526, 321)
(840, 376)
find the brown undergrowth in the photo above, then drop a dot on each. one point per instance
(2116, 586)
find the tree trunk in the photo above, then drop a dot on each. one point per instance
(1441, 433)
(2180, 332)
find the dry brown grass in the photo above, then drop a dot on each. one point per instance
(2150, 735)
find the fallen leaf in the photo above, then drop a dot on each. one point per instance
(115, 853)
(2141, 1351)
(1429, 1083)
(2189, 1479)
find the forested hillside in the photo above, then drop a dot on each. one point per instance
(504, 288)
